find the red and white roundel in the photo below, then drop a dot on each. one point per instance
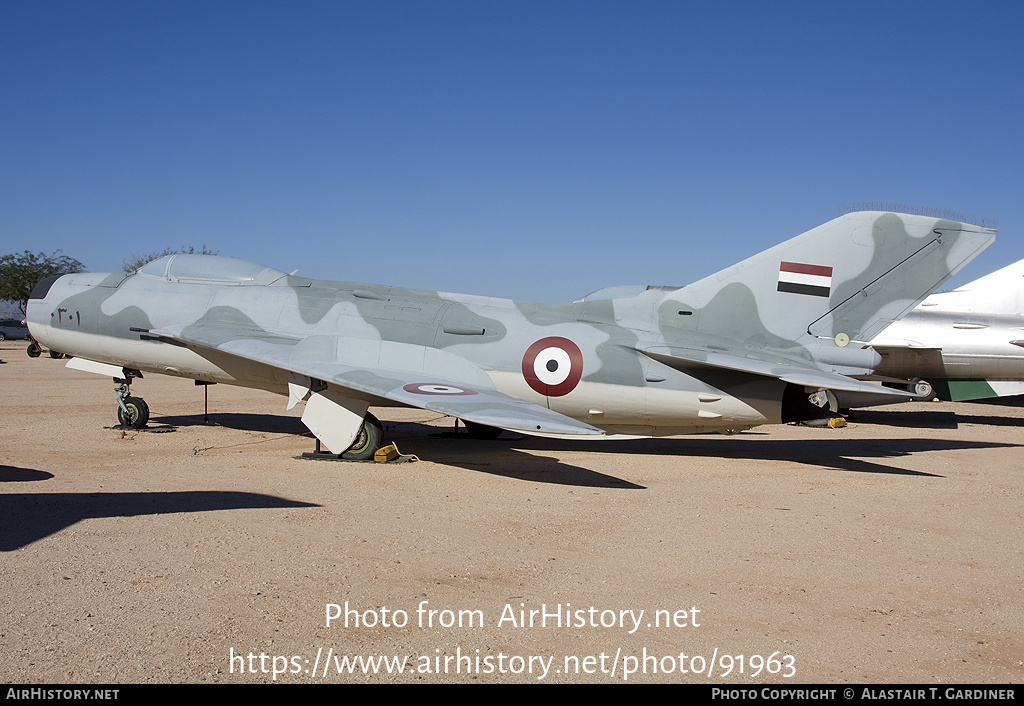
(553, 366)
(431, 388)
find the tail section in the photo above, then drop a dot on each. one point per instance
(845, 280)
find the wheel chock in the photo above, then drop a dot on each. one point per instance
(386, 454)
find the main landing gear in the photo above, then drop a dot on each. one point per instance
(369, 438)
(923, 389)
(132, 412)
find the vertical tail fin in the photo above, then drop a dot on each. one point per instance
(1001, 292)
(847, 280)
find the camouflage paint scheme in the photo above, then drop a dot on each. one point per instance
(749, 345)
(962, 345)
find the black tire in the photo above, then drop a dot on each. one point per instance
(3, 336)
(368, 440)
(34, 350)
(56, 354)
(138, 413)
(482, 431)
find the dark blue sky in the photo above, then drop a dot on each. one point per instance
(536, 150)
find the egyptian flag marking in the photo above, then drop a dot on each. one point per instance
(799, 278)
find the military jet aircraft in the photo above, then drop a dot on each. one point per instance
(761, 342)
(967, 344)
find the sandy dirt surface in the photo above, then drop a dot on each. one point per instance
(886, 551)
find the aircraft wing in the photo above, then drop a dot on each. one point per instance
(410, 374)
(768, 366)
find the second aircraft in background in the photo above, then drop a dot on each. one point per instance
(966, 344)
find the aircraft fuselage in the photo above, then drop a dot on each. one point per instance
(599, 376)
(956, 345)
(765, 341)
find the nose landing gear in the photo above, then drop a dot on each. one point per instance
(132, 412)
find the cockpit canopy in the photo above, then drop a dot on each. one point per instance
(210, 268)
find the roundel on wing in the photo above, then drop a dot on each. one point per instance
(429, 388)
(553, 366)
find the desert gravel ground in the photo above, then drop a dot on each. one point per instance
(886, 551)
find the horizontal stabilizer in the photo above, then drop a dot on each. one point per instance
(780, 368)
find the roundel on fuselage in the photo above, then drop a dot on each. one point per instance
(553, 366)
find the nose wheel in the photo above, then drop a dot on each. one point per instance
(132, 412)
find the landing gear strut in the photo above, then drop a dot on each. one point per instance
(132, 412)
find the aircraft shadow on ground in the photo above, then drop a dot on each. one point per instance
(510, 457)
(837, 454)
(513, 457)
(1011, 401)
(521, 465)
(987, 413)
(505, 456)
(513, 464)
(990, 420)
(908, 419)
(14, 474)
(268, 423)
(29, 517)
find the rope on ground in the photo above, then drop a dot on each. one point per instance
(196, 450)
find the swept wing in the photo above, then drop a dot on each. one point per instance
(409, 374)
